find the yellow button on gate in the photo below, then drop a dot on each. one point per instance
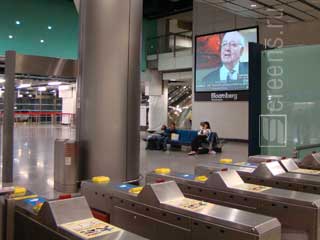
(201, 178)
(100, 179)
(19, 191)
(162, 170)
(136, 190)
(226, 160)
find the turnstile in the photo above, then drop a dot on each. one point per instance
(29, 217)
(289, 164)
(161, 211)
(311, 161)
(268, 174)
(298, 212)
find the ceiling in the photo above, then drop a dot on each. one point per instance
(293, 10)
(153, 9)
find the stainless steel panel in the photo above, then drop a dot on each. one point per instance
(147, 226)
(45, 66)
(264, 175)
(311, 161)
(66, 166)
(108, 127)
(97, 195)
(263, 158)
(295, 210)
(289, 164)
(57, 212)
(164, 202)
(269, 170)
(205, 169)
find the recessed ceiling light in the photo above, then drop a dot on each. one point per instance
(42, 89)
(18, 22)
(253, 5)
(10, 36)
(54, 83)
(42, 41)
(24, 85)
(49, 27)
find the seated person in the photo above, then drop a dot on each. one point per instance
(161, 138)
(172, 129)
(155, 140)
(202, 137)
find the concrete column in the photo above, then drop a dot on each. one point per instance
(157, 90)
(8, 118)
(109, 87)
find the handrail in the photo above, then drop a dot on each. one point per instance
(307, 146)
(170, 42)
(170, 34)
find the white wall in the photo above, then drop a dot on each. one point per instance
(230, 119)
(157, 90)
(68, 104)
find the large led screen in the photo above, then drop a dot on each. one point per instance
(222, 61)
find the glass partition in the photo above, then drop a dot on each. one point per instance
(290, 99)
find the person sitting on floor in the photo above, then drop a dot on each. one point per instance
(203, 135)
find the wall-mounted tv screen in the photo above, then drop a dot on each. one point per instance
(222, 61)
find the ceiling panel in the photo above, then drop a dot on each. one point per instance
(294, 12)
(231, 6)
(314, 2)
(215, 1)
(248, 4)
(301, 6)
(315, 13)
(252, 14)
(269, 3)
(289, 19)
(287, 1)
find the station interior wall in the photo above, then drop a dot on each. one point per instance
(230, 119)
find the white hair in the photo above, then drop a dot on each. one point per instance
(242, 41)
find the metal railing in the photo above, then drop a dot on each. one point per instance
(42, 117)
(172, 42)
(298, 150)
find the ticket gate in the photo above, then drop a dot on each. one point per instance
(264, 158)
(289, 164)
(29, 217)
(298, 212)
(268, 174)
(161, 211)
(311, 161)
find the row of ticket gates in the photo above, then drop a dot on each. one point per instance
(265, 198)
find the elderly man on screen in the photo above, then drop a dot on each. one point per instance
(232, 48)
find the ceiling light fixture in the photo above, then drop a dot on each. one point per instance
(253, 5)
(64, 87)
(10, 36)
(54, 83)
(18, 22)
(42, 41)
(49, 27)
(24, 85)
(42, 89)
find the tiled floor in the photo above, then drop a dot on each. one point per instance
(34, 147)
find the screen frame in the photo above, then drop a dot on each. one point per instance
(241, 92)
